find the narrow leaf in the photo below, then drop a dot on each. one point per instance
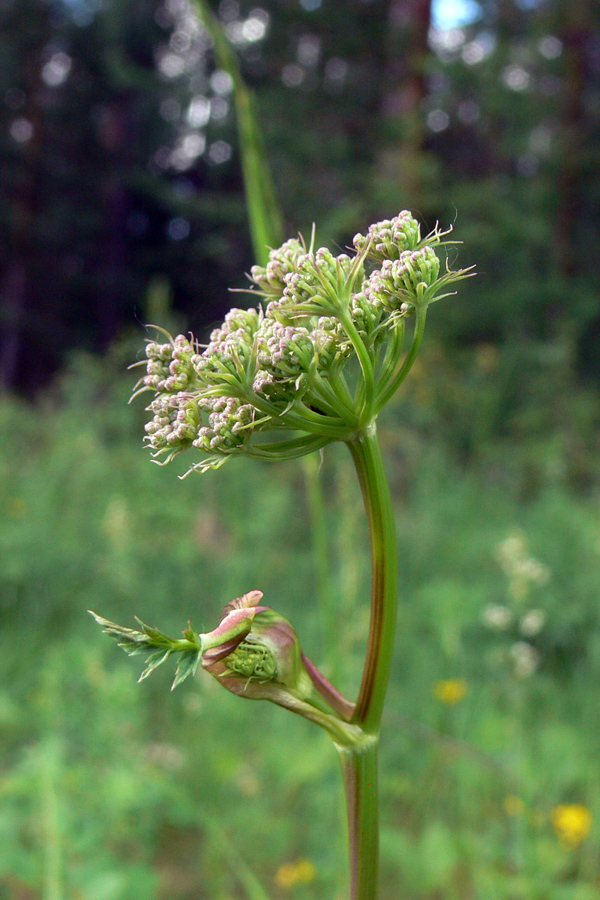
(191, 635)
(116, 630)
(133, 648)
(187, 665)
(153, 662)
(156, 636)
(264, 212)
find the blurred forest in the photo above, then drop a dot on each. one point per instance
(121, 184)
(123, 203)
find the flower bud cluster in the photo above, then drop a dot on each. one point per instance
(193, 417)
(230, 348)
(331, 342)
(235, 333)
(290, 353)
(270, 279)
(170, 366)
(404, 280)
(284, 350)
(314, 287)
(369, 313)
(253, 661)
(389, 238)
(175, 422)
(229, 424)
(282, 368)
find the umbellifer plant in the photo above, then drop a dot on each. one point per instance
(325, 348)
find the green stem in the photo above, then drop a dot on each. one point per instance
(392, 353)
(326, 689)
(366, 365)
(345, 735)
(359, 761)
(368, 461)
(340, 386)
(291, 449)
(331, 390)
(296, 415)
(324, 401)
(389, 391)
(359, 768)
(308, 415)
(300, 417)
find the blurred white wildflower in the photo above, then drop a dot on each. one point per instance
(522, 569)
(525, 659)
(164, 755)
(532, 622)
(247, 781)
(496, 616)
(116, 522)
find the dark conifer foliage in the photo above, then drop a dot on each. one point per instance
(120, 168)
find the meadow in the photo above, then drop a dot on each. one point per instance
(490, 791)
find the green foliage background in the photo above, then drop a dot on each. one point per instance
(112, 790)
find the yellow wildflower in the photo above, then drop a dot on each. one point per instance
(302, 871)
(572, 823)
(451, 691)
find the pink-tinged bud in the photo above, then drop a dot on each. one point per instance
(253, 647)
(267, 663)
(235, 625)
(255, 653)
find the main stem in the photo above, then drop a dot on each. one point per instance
(375, 489)
(359, 763)
(359, 768)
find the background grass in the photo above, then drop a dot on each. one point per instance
(112, 790)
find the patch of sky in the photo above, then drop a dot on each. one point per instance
(448, 14)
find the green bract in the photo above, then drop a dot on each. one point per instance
(315, 364)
